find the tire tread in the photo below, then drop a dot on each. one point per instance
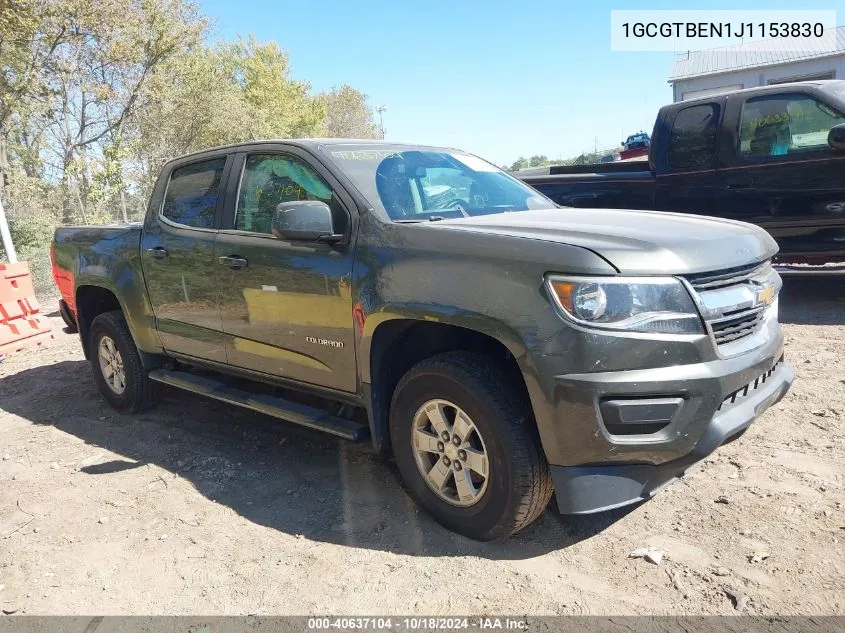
(488, 380)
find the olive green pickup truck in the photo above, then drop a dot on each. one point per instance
(501, 349)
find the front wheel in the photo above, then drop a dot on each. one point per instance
(465, 447)
(118, 370)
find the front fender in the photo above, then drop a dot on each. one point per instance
(543, 407)
(447, 315)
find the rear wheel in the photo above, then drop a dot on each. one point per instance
(118, 370)
(464, 444)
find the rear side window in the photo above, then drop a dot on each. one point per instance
(191, 197)
(692, 143)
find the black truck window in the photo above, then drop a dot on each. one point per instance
(191, 197)
(782, 124)
(692, 143)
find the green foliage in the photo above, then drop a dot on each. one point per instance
(96, 96)
(520, 163)
(348, 115)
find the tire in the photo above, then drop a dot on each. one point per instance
(137, 391)
(518, 485)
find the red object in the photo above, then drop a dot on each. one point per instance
(625, 154)
(64, 281)
(21, 323)
(359, 317)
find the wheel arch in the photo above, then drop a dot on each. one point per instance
(92, 301)
(395, 344)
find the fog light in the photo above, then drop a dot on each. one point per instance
(638, 416)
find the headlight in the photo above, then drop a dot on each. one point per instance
(637, 304)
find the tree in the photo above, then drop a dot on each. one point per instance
(67, 96)
(538, 160)
(519, 163)
(25, 48)
(217, 95)
(279, 106)
(348, 115)
(191, 102)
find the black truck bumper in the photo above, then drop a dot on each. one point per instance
(700, 408)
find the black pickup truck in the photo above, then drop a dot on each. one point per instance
(772, 156)
(495, 345)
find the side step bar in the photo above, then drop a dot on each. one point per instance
(286, 410)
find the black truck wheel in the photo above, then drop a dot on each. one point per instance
(463, 442)
(118, 370)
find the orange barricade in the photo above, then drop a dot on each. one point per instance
(21, 323)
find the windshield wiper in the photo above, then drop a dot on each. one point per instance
(432, 218)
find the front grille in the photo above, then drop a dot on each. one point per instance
(735, 328)
(740, 394)
(730, 299)
(726, 277)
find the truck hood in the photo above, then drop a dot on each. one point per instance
(635, 242)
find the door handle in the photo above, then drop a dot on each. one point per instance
(739, 185)
(233, 261)
(158, 252)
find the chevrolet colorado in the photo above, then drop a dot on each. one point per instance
(772, 156)
(500, 348)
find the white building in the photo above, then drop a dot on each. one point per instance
(762, 63)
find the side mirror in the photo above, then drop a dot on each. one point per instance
(307, 220)
(836, 137)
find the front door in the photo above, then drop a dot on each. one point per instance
(286, 305)
(787, 179)
(177, 255)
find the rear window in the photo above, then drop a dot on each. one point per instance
(191, 198)
(692, 142)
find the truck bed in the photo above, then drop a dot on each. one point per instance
(617, 167)
(73, 246)
(611, 185)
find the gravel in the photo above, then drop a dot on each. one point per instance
(199, 519)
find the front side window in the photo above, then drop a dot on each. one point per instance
(784, 124)
(191, 198)
(268, 180)
(416, 184)
(692, 143)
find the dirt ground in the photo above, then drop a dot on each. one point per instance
(196, 507)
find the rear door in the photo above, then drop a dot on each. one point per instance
(792, 181)
(177, 255)
(286, 305)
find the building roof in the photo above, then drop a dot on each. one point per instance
(771, 52)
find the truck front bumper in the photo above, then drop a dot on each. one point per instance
(696, 407)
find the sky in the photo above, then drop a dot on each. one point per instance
(500, 79)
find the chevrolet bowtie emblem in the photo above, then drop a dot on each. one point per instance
(765, 294)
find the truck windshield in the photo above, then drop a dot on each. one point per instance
(419, 184)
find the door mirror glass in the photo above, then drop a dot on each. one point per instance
(309, 220)
(836, 137)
